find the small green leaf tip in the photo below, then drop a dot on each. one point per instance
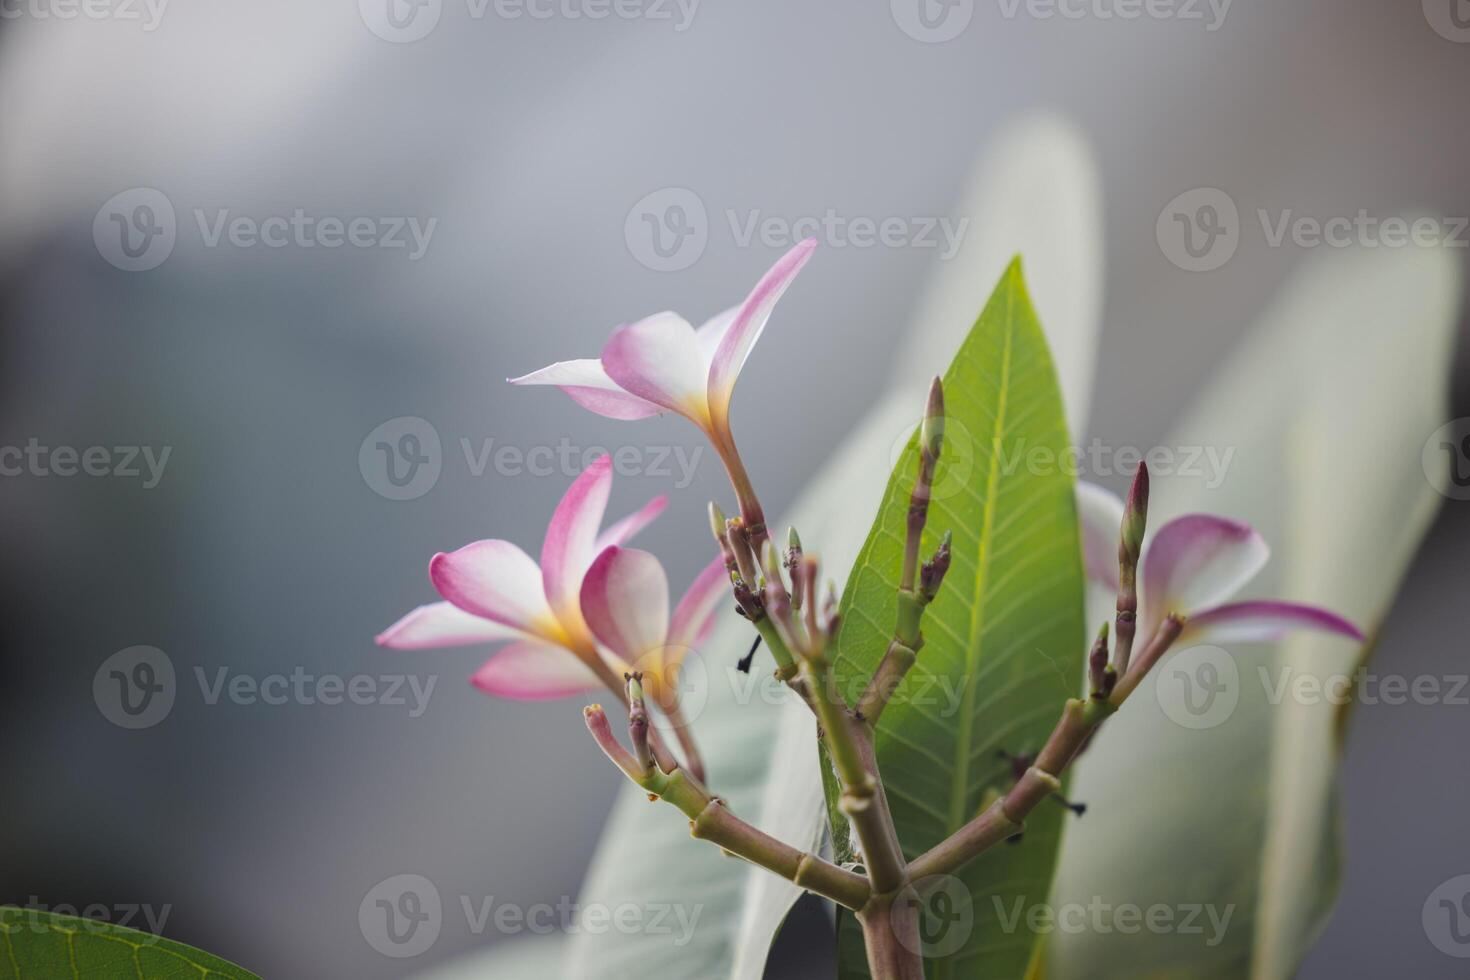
(1135, 516)
(635, 687)
(717, 521)
(931, 432)
(793, 540)
(770, 560)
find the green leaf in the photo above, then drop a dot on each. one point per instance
(1326, 408)
(1034, 190)
(1004, 641)
(43, 946)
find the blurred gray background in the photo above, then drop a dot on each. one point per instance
(528, 141)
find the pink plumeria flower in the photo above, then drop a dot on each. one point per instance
(1192, 566)
(494, 592)
(625, 597)
(661, 363)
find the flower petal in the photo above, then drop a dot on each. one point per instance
(712, 331)
(1100, 514)
(694, 615)
(498, 581)
(442, 624)
(625, 599)
(588, 385)
(623, 531)
(658, 359)
(534, 671)
(571, 539)
(1196, 561)
(1259, 621)
(746, 329)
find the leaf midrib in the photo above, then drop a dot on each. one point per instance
(959, 799)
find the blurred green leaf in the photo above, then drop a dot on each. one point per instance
(44, 946)
(1325, 408)
(1003, 641)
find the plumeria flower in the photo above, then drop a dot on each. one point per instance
(1191, 566)
(494, 592)
(662, 363)
(625, 598)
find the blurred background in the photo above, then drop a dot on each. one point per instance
(263, 238)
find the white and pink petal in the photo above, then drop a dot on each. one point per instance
(750, 320)
(1262, 621)
(571, 540)
(534, 671)
(498, 581)
(1195, 562)
(442, 624)
(694, 616)
(1100, 518)
(587, 384)
(658, 359)
(623, 531)
(625, 600)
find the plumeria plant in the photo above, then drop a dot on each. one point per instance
(999, 583)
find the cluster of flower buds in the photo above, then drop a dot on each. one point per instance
(733, 537)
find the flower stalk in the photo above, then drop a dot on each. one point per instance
(710, 819)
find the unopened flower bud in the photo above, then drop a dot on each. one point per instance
(931, 432)
(1135, 517)
(638, 719)
(739, 538)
